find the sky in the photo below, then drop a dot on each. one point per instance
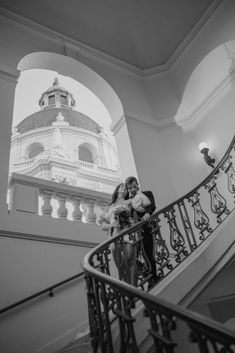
(31, 85)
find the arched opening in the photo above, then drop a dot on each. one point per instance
(85, 154)
(74, 69)
(67, 66)
(95, 149)
(207, 101)
(34, 149)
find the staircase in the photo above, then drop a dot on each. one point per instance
(189, 240)
(81, 344)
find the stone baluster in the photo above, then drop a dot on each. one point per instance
(101, 207)
(46, 207)
(62, 211)
(77, 213)
(90, 215)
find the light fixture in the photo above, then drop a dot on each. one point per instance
(204, 149)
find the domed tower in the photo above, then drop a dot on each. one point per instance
(59, 143)
(56, 96)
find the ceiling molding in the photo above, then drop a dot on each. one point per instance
(188, 118)
(8, 76)
(76, 49)
(71, 46)
(193, 33)
(117, 125)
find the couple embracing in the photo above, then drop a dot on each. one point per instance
(128, 206)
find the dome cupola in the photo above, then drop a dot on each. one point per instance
(57, 103)
(56, 96)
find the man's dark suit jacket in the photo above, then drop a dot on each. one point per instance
(149, 209)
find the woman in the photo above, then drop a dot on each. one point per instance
(117, 218)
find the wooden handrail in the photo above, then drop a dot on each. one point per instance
(46, 290)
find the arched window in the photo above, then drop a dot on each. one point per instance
(34, 149)
(63, 100)
(85, 154)
(51, 100)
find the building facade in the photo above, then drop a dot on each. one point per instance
(61, 144)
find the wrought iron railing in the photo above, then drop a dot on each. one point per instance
(178, 230)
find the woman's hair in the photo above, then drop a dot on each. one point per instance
(115, 194)
(131, 180)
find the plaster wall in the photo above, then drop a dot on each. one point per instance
(203, 77)
(163, 97)
(32, 266)
(149, 153)
(218, 31)
(194, 102)
(151, 161)
(186, 166)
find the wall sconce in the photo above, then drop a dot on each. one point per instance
(204, 149)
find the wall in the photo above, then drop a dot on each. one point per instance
(151, 161)
(159, 100)
(140, 104)
(33, 265)
(203, 77)
(191, 103)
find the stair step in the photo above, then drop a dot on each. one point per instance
(80, 345)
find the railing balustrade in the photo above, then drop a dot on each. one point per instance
(47, 198)
(77, 163)
(178, 231)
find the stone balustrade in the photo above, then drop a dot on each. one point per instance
(52, 199)
(23, 164)
(81, 164)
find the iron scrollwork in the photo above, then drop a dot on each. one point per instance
(113, 304)
(176, 238)
(230, 172)
(201, 220)
(218, 202)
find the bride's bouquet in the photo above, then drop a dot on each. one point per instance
(122, 215)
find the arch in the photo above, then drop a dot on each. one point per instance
(87, 152)
(34, 149)
(206, 77)
(70, 67)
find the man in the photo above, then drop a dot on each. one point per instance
(148, 243)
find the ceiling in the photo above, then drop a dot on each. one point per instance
(143, 33)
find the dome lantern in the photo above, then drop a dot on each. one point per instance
(56, 96)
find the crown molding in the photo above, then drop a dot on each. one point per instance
(77, 49)
(151, 72)
(188, 118)
(117, 125)
(71, 47)
(193, 33)
(156, 124)
(133, 116)
(8, 76)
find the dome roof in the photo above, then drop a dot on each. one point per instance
(47, 116)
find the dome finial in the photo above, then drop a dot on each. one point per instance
(56, 82)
